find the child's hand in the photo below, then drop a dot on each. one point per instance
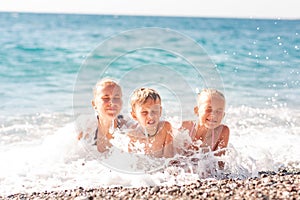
(194, 147)
(80, 135)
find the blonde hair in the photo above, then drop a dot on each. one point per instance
(141, 95)
(103, 83)
(210, 92)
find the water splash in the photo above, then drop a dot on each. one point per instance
(259, 141)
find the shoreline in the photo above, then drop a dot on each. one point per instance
(284, 184)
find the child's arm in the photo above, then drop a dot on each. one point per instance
(168, 150)
(103, 142)
(131, 142)
(81, 135)
(222, 140)
(222, 143)
(187, 125)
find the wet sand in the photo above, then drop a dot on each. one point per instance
(284, 184)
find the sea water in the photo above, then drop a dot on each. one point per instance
(46, 87)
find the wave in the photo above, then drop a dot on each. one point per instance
(44, 154)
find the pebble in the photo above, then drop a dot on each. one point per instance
(284, 184)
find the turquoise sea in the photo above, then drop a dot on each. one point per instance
(50, 62)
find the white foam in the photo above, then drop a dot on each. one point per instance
(260, 140)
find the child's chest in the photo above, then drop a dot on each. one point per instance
(156, 143)
(208, 139)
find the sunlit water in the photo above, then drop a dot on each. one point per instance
(258, 62)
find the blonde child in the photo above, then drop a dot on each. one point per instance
(210, 111)
(154, 135)
(107, 103)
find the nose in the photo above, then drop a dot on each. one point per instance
(150, 115)
(112, 101)
(115, 100)
(216, 112)
(213, 114)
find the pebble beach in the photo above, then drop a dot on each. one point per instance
(284, 184)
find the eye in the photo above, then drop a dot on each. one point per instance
(155, 112)
(117, 99)
(144, 112)
(209, 110)
(105, 98)
(219, 111)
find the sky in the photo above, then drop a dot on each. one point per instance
(274, 9)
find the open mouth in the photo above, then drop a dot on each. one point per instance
(211, 121)
(151, 122)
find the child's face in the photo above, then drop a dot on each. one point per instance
(148, 114)
(210, 111)
(108, 101)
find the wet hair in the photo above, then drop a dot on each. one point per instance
(210, 92)
(141, 95)
(104, 82)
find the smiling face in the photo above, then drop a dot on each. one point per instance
(148, 114)
(107, 100)
(146, 108)
(210, 110)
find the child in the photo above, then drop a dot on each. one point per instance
(107, 102)
(210, 112)
(153, 134)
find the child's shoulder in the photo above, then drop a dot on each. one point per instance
(165, 124)
(224, 129)
(166, 131)
(187, 125)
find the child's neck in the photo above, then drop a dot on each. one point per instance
(149, 132)
(205, 134)
(104, 125)
(203, 131)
